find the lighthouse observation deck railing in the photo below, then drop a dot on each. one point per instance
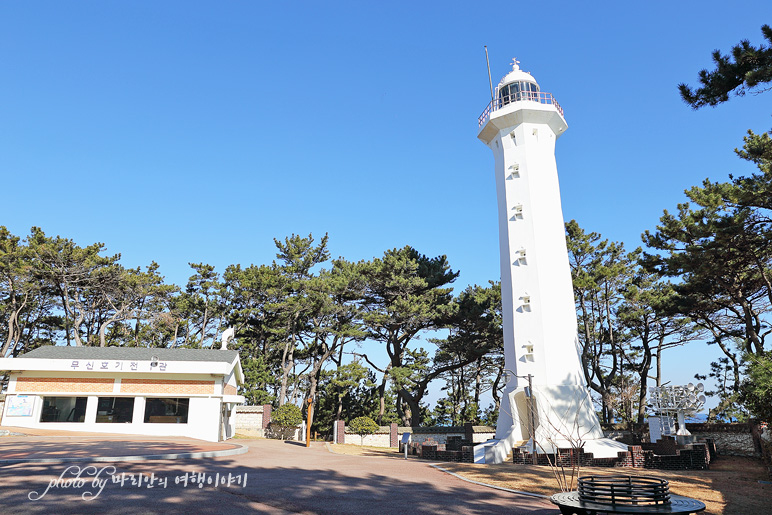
(521, 96)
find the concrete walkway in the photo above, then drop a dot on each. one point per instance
(273, 477)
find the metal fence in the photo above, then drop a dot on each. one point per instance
(520, 96)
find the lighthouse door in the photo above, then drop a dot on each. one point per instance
(523, 411)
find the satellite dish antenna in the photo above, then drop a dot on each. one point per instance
(700, 387)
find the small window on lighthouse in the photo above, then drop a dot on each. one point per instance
(514, 171)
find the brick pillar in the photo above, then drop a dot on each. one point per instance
(340, 430)
(393, 436)
(639, 459)
(469, 432)
(266, 415)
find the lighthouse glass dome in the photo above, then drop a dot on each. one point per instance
(517, 91)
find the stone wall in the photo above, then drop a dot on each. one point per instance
(386, 436)
(765, 436)
(390, 436)
(696, 457)
(441, 435)
(736, 439)
(432, 435)
(381, 438)
(253, 420)
(730, 439)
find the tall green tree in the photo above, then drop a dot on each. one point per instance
(79, 275)
(349, 391)
(718, 248)
(471, 358)
(297, 304)
(335, 320)
(406, 294)
(651, 329)
(344, 380)
(756, 389)
(203, 305)
(600, 270)
(725, 387)
(137, 297)
(719, 285)
(19, 289)
(255, 293)
(721, 252)
(747, 69)
(151, 300)
(731, 217)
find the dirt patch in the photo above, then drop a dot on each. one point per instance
(730, 487)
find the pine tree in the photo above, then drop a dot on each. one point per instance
(747, 69)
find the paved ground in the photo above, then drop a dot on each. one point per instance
(46, 445)
(275, 478)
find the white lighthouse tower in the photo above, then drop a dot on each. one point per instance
(520, 126)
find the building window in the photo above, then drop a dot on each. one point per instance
(517, 91)
(63, 409)
(166, 411)
(115, 410)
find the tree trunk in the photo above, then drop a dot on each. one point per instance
(13, 323)
(103, 328)
(659, 365)
(412, 404)
(382, 395)
(203, 324)
(75, 328)
(287, 364)
(340, 394)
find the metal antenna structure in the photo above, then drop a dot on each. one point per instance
(670, 401)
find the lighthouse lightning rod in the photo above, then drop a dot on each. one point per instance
(487, 61)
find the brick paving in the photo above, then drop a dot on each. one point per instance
(279, 478)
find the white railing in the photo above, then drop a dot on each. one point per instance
(521, 96)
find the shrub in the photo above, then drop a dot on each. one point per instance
(285, 419)
(363, 426)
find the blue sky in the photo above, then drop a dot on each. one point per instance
(199, 131)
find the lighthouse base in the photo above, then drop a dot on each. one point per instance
(563, 418)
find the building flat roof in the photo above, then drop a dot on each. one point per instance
(130, 353)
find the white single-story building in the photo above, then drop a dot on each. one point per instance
(126, 390)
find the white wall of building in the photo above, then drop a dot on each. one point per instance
(203, 419)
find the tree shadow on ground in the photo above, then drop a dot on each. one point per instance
(731, 486)
(46, 449)
(339, 485)
(384, 452)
